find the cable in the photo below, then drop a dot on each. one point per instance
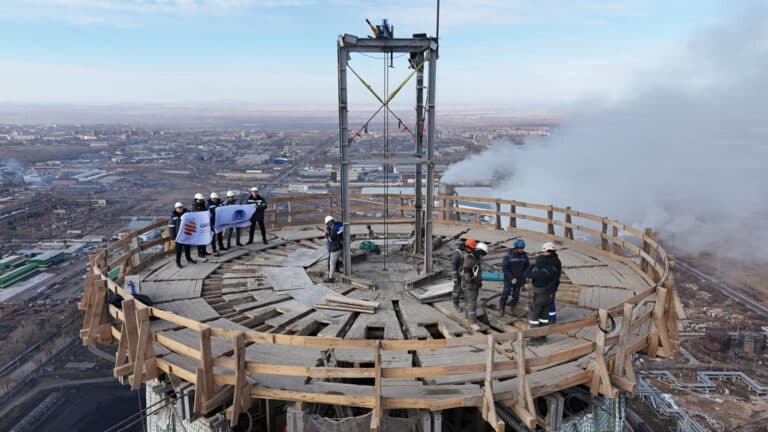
(138, 397)
(611, 328)
(138, 413)
(386, 173)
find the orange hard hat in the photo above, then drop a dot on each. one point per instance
(470, 244)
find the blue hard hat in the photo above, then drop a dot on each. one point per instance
(519, 244)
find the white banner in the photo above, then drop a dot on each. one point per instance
(231, 216)
(195, 229)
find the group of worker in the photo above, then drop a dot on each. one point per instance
(200, 204)
(543, 274)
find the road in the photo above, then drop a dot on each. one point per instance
(51, 384)
(734, 294)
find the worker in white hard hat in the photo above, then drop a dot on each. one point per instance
(334, 240)
(199, 205)
(258, 216)
(173, 227)
(545, 278)
(218, 238)
(473, 278)
(232, 200)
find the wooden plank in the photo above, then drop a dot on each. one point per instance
(302, 257)
(287, 278)
(333, 297)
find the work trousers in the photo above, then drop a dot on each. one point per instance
(540, 306)
(187, 252)
(253, 230)
(470, 295)
(456, 294)
(217, 238)
(513, 289)
(333, 262)
(229, 236)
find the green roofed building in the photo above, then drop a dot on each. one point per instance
(10, 262)
(9, 278)
(47, 259)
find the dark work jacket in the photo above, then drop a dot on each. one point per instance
(261, 205)
(334, 236)
(457, 261)
(212, 208)
(472, 280)
(199, 207)
(514, 266)
(175, 223)
(551, 263)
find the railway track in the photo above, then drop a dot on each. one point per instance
(727, 290)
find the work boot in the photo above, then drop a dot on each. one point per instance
(501, 310)
(239, 243)
(178, 264)
(457, 306)
(329, 280)
(191, 261)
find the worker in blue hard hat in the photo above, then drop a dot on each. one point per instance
(514, 264)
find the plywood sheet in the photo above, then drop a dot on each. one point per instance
(169, 271)
(164, 291)
(196, 309)
(302, 257)
(287, 278)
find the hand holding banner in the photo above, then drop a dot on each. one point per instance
(195, 229)
(233, 216)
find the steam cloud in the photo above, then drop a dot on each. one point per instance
(687, 154)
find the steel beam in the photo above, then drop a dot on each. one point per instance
(431, 94)
(419, 241)
(344, 142)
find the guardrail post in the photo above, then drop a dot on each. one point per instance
(241, 400)
(290, 211)
(644, 264)
(523, 406)
(205, 385)
(621, 354)
(488, 408)
(568, 222)
(601, 380)
(550, 225)
(604, 235)
(376, 412)
(136, 250)
(144, 364)
(512, 217)
(616, 247)
(498, 215)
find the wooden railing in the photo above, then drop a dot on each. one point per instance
(646, 328)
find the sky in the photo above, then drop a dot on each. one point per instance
(506, 53)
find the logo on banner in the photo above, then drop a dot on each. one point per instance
(233, 216)
(195, 229)
(190, 228)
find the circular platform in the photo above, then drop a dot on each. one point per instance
(259, 322)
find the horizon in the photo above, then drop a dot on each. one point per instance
(205, 52)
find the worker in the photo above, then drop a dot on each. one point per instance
(232, 200)
(514, 264)
(545, 276)
(559, 267)
(473, 278)
(457, 264)
(199, 205)
(258, 216)
(334, 241)
(218, 237)
(173, 228)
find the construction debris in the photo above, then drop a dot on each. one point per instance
(339, 302)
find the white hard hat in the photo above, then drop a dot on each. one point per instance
(329, 218)
(178, 204)
(230, 194)
(254, 189)
(214, 195)
(199, 196)
(548, 246)
(482, 247)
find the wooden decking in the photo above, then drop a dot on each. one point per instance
(245, 325)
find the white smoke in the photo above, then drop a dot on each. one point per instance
(687, 154)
